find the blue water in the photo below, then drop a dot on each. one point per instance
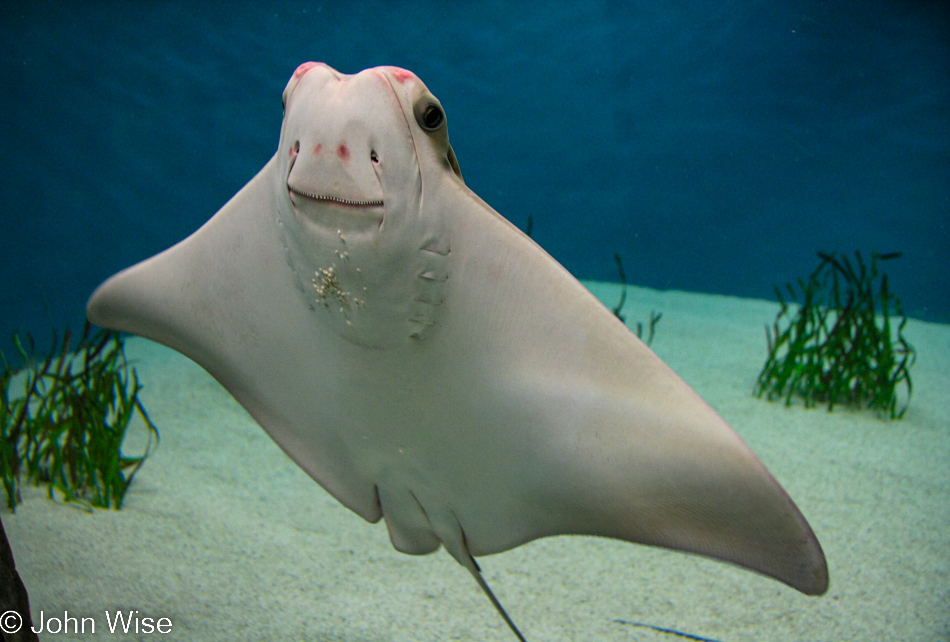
(714, 145)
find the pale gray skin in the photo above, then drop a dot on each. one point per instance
(427, 363)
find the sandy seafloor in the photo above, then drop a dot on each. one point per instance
(227, 538)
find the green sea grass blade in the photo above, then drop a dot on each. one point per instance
(838, 347)
(67, 428)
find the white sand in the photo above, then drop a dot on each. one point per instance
(224, 536)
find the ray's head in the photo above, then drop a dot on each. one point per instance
(363, 169)
(350, 144)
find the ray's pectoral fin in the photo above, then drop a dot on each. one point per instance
(654, 464)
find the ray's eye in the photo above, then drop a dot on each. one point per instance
(431, 118)
(373, 156)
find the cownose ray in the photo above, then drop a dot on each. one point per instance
(428, 364)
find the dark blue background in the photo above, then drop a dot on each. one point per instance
(715, 145)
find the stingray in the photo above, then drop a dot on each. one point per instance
(429, 365)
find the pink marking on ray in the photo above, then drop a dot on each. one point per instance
(316, 150)
(343, 152)
(401, 75)
(304, 68)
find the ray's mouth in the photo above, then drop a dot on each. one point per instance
(335, 200)
(336, 214)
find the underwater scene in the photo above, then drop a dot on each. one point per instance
(640, 311)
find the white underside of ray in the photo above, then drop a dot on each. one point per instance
(521, 409)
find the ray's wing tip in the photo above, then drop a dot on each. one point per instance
(817, 583)
(814, 582)
(95, 310)
(817, 574)
(111, 307)
(100, 307)
(810, 575)
(820, 586)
